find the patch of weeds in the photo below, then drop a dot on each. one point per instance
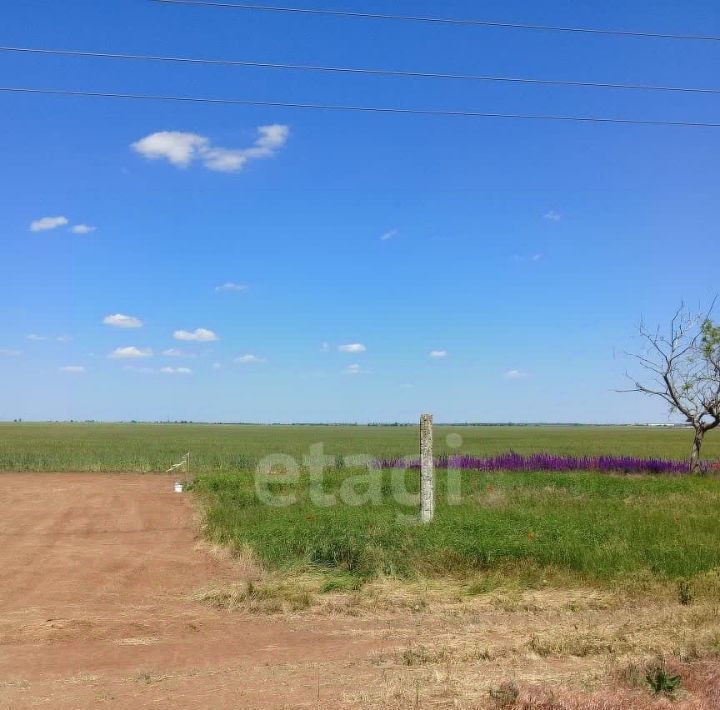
(484, 654)
(261, 597)
(637, 585)
(513, 602)
(505, 694)
(661, 682)
(421, 655)
(342, 583)
(485, 585)
(578, 645)
(685, 592)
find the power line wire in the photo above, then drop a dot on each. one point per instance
(356, 70)
(358, 109)
(441, 20)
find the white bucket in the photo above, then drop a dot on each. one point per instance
(178, 487)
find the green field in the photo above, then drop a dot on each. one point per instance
(598, 526)
(154, 447)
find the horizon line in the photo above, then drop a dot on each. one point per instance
(186, 422)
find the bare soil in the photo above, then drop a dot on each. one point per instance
(97, 578)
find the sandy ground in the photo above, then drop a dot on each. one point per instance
(97, 576)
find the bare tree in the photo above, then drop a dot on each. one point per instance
(683, 368)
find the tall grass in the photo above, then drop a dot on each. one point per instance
(597, 525)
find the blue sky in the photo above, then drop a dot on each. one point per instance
(520, 253)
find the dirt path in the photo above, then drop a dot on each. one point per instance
(97, 575)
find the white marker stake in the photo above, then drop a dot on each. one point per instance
(183, 464)
(427, 474)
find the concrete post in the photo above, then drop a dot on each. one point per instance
(427, 473)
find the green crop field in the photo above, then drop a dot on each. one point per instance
(154, 447)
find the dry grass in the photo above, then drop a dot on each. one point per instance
(449, 643)
(626, 690)
(264, 597)
(557, 689)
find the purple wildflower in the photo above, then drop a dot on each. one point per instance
(512, 461)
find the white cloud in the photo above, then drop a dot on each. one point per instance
(438, 353)
(176, 371)
(121, 321)
(231, 286)
(552, 216)
(130, 353)
(270, 139)
(82, 229)
(216, 366)
(181, 149)
(515, 375)
(250, 359)
(9, 352)
(389, 235)
(536, 257)
(37, 338)
(46, 223)
(176, 147)
(202, 335)
(77, 369)
(224, 160)
(352, 348)
(353, 369)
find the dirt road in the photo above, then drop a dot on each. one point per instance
(97, 577)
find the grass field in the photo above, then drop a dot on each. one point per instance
(154, 447)
(598, 526)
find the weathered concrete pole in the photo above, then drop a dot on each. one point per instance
(427, 473)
